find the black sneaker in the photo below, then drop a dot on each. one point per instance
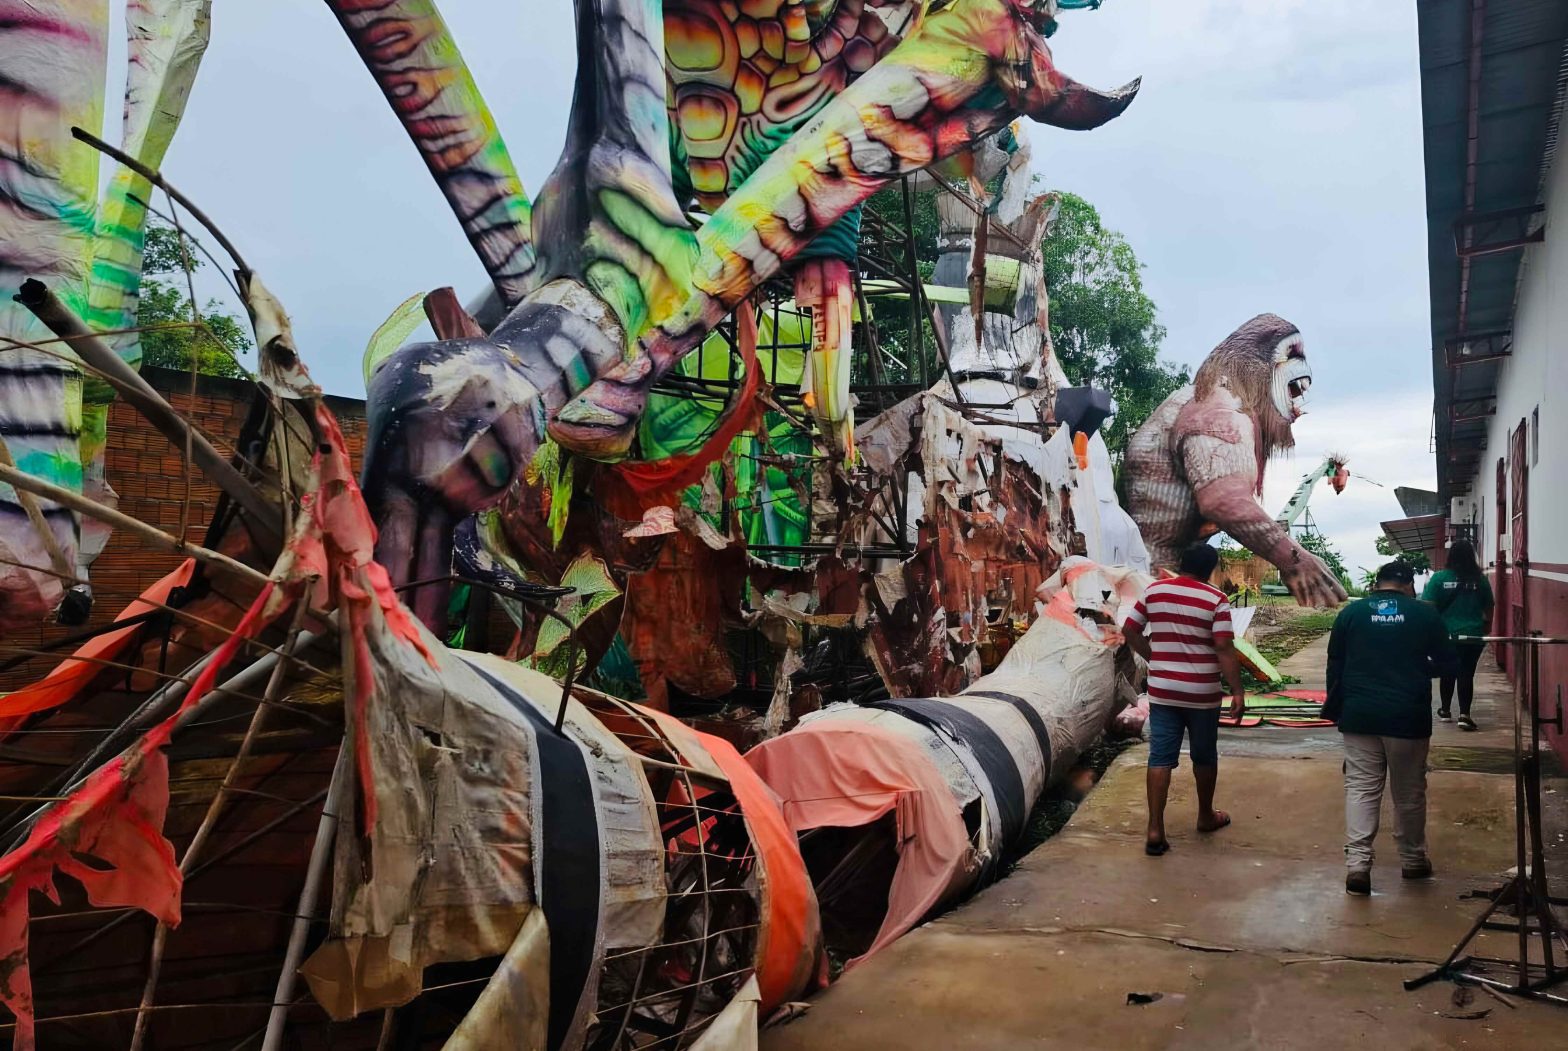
(1445, 715)
(1467, 723)
(1358, 883)
(1423, 870)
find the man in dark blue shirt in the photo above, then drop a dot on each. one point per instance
(1382, 655)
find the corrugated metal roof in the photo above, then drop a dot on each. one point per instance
(1422, 535)
(1520, 87)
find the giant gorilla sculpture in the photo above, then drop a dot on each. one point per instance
(1196, 465)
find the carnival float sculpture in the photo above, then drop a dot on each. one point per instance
(53, 227)
(641, 444)
(1196, 465)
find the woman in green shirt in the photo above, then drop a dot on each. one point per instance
(1464, 598)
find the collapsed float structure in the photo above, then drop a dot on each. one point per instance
(290, 812)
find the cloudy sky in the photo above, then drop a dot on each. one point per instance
(1271, 163)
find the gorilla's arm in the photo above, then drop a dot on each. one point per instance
(1218, 454)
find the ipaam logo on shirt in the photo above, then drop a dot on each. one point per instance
(1386, 611)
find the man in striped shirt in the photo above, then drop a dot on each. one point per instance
(1181, 627)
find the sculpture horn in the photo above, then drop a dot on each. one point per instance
(1079, 107)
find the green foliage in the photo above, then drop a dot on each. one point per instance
(1230, 551)
(1295, 634)
(1102, 322)
(215, 344)
(1245, 595)
(1318, 544)
(893, 315)
(1416, 560)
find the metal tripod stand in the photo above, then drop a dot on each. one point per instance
(1526, 894)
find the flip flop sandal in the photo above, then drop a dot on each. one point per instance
(1155, 850)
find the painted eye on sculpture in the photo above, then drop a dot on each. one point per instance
(1300, 386)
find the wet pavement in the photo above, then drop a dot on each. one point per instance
(1239, 939)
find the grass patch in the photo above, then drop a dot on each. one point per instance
(1295, 635)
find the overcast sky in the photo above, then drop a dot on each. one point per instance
(1272, 162)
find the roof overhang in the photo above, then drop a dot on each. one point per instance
(1492, 80)
(1422, 535)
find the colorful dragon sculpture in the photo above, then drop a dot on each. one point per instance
(782, 140)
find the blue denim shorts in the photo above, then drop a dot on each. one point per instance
(1166, 724)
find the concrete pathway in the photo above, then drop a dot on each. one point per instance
(1245, 938)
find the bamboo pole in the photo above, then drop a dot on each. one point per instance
(315, 876)
(138, 393)
(35, 515)
(210, 818)
(157, 537)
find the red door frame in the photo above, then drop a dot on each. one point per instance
(1519, 536)
(1500, 563)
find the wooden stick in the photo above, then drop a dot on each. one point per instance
(138, 393)
(156, 178)
(315, 876)
(157, 537)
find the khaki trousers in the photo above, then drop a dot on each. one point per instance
(1369, 762)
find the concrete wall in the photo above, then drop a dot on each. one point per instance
(1532, 392)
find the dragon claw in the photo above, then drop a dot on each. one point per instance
(602, 420)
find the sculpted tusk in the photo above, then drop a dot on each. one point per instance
(1078, 107)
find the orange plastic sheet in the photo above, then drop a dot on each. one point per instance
(108, 834)
(829, 774)
(789, 949)
(649, 479)
(71, 674)
(789, 945)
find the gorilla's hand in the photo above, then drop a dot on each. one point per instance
(1311, 582)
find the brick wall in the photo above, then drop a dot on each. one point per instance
(148, 473)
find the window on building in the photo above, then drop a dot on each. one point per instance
(1535, 437)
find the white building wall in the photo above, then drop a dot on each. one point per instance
(1535, 380)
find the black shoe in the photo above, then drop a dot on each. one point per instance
(1467, 723)
(1422, 870)
(1445, 715)
(1358, 883)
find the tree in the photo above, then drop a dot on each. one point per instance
(215, 345)
(1103, 324)
(1318, 544)
(1418, 561)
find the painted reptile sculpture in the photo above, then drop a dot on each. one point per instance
(55, 226)
(607, 284)
(1196, 465)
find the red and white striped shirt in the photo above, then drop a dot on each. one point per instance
(1183, 619)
